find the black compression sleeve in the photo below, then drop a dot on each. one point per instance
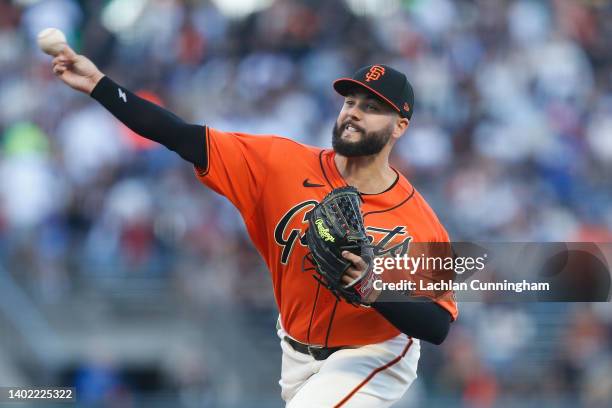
(423, 320)
(153, 122)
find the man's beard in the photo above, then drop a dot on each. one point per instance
(370, 143)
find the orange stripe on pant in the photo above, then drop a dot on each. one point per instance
(373, 373)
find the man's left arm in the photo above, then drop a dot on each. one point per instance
(421, 318)
(418, 317)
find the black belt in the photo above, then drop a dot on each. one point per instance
(317, 352)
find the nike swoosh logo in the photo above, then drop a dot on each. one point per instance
(307, 183)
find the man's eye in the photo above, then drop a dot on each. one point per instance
(349, 103)
(372, 107)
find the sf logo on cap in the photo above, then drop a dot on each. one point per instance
(375, 73)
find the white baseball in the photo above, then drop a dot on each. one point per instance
(51, 41)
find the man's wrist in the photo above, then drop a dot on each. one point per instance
(95, 79)
(98, 81)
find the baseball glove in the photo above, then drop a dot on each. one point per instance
(336, 225)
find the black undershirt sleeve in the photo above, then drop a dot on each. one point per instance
(420, 317)
(153, 122)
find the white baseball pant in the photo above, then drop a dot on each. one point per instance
(371, 376)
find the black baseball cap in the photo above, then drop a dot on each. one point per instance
(385, 82)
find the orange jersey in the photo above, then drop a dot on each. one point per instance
(274, 182)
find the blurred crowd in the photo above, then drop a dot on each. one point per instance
(511, 140)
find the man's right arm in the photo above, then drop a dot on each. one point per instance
(143, 117)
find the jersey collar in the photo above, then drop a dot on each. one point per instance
(398, 191)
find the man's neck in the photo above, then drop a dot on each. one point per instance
(369, 174)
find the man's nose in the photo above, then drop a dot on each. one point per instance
(354, 112)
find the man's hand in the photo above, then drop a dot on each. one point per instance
(77, 71)
(355, 271)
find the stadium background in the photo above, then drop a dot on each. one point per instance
(122, 275)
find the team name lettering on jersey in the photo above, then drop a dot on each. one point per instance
(291, 227)
(286, 239)
(390, 237)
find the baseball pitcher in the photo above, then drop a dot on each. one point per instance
(319, 218)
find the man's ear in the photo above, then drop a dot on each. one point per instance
(400, 126)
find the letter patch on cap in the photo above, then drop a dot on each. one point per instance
(375, 73)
